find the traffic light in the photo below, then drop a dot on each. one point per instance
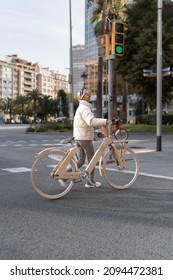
(117, 38)
(103, 45)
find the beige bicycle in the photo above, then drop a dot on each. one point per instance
(118, 164)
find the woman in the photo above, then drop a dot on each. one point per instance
(83, 131)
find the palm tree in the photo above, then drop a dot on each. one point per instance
(46, 107)
(99, 18)
(2, 104)
(34, 96)
(9, 106)
(62, 100)
(20, 103)
(104, 9)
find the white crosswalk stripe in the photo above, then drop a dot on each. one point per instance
(17, 169)
(31, 143)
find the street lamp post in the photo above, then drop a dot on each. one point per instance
(84, 76)
(71, 107)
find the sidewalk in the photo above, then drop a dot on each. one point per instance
(154, 163)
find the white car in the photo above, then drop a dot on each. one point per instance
(59, 119)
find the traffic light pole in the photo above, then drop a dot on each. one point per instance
(110, 59)
(159, 77)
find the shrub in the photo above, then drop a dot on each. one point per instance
(30, 129)
(151, 119)
(66, 126)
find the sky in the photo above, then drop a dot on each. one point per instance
(39, 30)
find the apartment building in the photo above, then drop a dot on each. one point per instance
(49, 82)
(8, 77)
(19, 77)
(26, 75)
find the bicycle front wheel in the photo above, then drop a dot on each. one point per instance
(121, 134)
(121, 178)
(41, 175)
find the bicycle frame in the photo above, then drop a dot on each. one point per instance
(116, 126)
(60, 170)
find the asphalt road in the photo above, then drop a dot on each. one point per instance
(87, 224)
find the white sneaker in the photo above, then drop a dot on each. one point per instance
(62, 183)
(94, 185)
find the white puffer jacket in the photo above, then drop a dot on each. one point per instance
(84, 122)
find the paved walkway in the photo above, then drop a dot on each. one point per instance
(155, 163)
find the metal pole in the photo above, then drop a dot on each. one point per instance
(71, 107)
(110, 67)
(159, 76)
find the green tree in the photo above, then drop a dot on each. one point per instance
(20, 105)
(9, 103)
(34, 96)
(62, 103)
(45, 107)
(105, 8)
(98, 18)
(141, 48)
(2, 105)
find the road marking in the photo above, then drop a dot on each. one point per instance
(17, 169)
(141, 151)
(144, 174)
(25, 169)
(155, 176)
(51, 144)
(32, 143)
(19, 145)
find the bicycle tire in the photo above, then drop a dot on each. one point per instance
(41, 179)
(98, 136)
(121, 178)
(121, 134)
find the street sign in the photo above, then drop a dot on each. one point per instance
(152, 73)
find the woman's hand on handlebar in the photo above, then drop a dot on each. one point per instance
(108, 122)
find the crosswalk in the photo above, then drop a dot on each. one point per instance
(44, 143)
(16, 169)
(31, 143)
(56, 143)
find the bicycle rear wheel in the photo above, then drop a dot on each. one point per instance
(98, 135)
(121, 134)
(120, 178)
(42, 180)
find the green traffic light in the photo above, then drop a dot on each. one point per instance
(118, 49)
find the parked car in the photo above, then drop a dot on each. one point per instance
(59, 119)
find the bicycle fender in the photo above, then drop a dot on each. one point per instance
(45, 151)
(100, 166)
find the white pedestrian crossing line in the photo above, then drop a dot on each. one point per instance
(17, 169)
(31, 143)
(141, 151)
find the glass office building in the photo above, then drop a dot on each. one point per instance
(78, 67)
(91, 49)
